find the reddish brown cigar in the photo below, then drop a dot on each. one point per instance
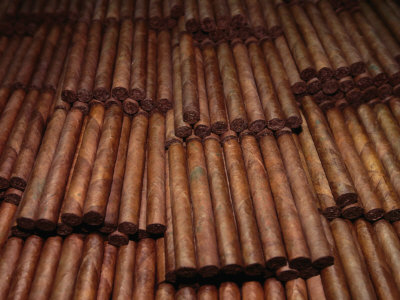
(273, 289)
(296, 289)
(185, 292)
(106, 281)
(192, 19)
(13, 196)
(75, 60)
(8, 211)
(286, 273)
(7, 58)
(238, 13)
(164, 69)
(204, 228)
(255, 14)
(222, 14)
(156, 175)
(206, 16)
(99, 188)
(142, 233)
(252, 290)
(145, 268)
(394, 104)
(264, 207)
(141, 10)
(124, 272)
(149, 101)
(170, 136)
(160, 261)
(227, 237)
(99, 11)
(113, 12)
(207, 292)
(165, 291)
(229, 290)
(218, 117)
(281, 85)
(9, 258)
(155, 14)
(126, 10)
(132, 184)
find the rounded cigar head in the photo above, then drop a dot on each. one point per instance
(342, 72)
(299, 88)
(385, 90)
(276, 262)
(71, 219)
(156, 229)
(118, 239)
(82, 106)
(45, 225)
(284, 130)
(120, 93)
(323, 262)
(396, 90)
(313, 86)
(287, 274)
(352, 211)
(308, 73)
(346, 84)
(84, 95)
(374, 214)
(308, 273)
(331, 213)
(300, 263)
(380, 79)
(293, 122)
(357, 68)
(130, 106)
(93, 218)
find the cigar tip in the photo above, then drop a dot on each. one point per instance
(374, 214)
(208, 271)
(323, 262)
(276, 262)
(156, 229)
(300, 263)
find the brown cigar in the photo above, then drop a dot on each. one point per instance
(264, 207)
(273, 289)
(124, 272)
(99, 188)
(107, 272)
(345, 84)
(145, 268)
(149, 95)
(8, 211)
(165, 291)
(296, 289)
(155, 14)
(206, 16)
(252, 290)
(141, 10)
(142, 233)
(207, 292)
(170, 136)
(185, 292)
(314, 85)
(160, 261)
(113, 12)
(191, 12)
(75, 60)
(8, 56)
(13, 196)
(164, 69)
(118, 239)
(132, 185)
(8, 262)
(156, 175)
(204, 228)
(394, 104)
(99, 11)
(30, 201)
(298, 253)
(229, 290)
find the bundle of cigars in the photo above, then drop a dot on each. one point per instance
(199, 149)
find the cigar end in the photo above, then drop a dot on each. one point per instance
(330, 86)
(323, 262)
(342, 72)
(331, 213)
(45, 225)
(101, 94)
(186, 273)
(83, 107)
(68, 96)
(120, 93)
(208, 24)
(118, 239)
(208, 271)
(191, 117)
(346, 199)
(357, 68)
(26, 223)
(374, 214)
(232, 270)
(300, 263)
(164, 105)
(352, 212)
(4, 183)
(202, 131)
(275, 124)
(346, 84)
(142, 234)
(13, 197)
(293, 122)
(369, 93)
(64, 229)
(137, 94)
(238, 125)
(256, 269)
(276, 262)
(394, 79)
(128, 228)
(380, 79)
(183, 131)
(364, 82)
(299, 88)
(170, 277)
(219, 127)
(308, 273)
(71, 219)
(93, 218)
(257, 125)
(393, 215)
(84, 95)
(313, 86)
(287, 275)
(308, 73)
(130, 106)
(325, 74)
(147, 104)
(108, 228)
(156, 229)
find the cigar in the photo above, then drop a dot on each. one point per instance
(191, 12)
(156, 175)
(160, 261)
(131, 189)
(253, 290)
(8, 212)
(346, 84)
(217, 111)
(75, 60)
(229, 290)
(13, 196)
(164, 68)
(165, 291)
(145, 268)
(395, 107)
(149, 100)
(281, 85)
(298, 254)
(273, 289)
(107, 272)
(9, 258)
(204, 228)
(296, 288)
(113, 203)
(105, 67)
(118, 239)
(207, 291)
(8, 55)
(34, 188)
(124, 272)
(264, 207)
(99, 188)
(47, 209)
(227, 237)
(206, 16)
(222, 14)
(314, 85)
(142, 233)
(155, 14)
(113, 12)
(25, 269)
(170, 136)
(99, 11)
(185, 292)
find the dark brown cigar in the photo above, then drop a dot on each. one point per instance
(164, 69)
(149, 101)
(124, 273)
(165, 291)
(126, 10)
(137, 79)
(191, 12)
(141, 10)
(132, 185)
(273, 289)
(142, 233)
(206, 16)
(107, 272)
(118, 239)
(296, 288)
(99, 10)
(168, 21)
(7, 58)
(145, 269)
(155, 14)
(13, 196)
(112, 13)
(229, 290)
(8, 262)
(170, 136)
(8, 211)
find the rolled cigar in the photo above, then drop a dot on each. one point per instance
(13, 196)
(389, 245)
(337, 175)
(155, 14)
(9, 258)
(10, 150)
(346, 84)
(227, 237)
(47, 209)
(91, 57)
(363, 81)
(25, 269)
(63, 229)
(88, 277)
(124, 273)
(8, 55)
(99, 11)
(203, 221)
(264, 207)
(297, 253)
(156, 175)
(107, 272)
(222, 14)
(113, 203)
(248, 86)
(314, 85)
(217, 110)
(145, 268)
(170, 136)
(206, 16)
(389, 16)
(164, 68)
(207, 292)
(285, 274)
(140, 13)
(316, 240)
(75, 59)
(229, 290)
(85, 11)
(118, 239)
(394, 105)
(121, 77)
(160, 261)
(320, 182)
(273, 289)
(33, 191)
(252, 290)
(99, 188)
(185, 292)
(185, 258)
(73, 10)
(132, 184)
(315, 288)
(255, 14)
(148, 102)
(191, 12)
(165, 291)
(296, 289)
(113, 11)
(238, 13)
(8, 211)
(142, 233)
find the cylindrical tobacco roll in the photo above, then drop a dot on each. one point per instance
(389, 17)
(155, 14)
(238, 13)
(86, 82)
(255, 14)
(206, 15)
(8, 213)
(314, 85)
(99, 11)
(264, 207)
(75, 59)
(126, 9)
(88, 277)
(145, 268)
(222, 14)
(376, 171)
(160, 261)
(30, 201)
(335, 170)
(269, 101)
(274, 290)
(107, 272)
(318, 177)
(25, 269)
(99, 188)
(190, 107)
(8, 262)
(140, 13)
(229, 290)
(165, 291)
(281, 85)
(142, 233)
(349, 51)
(168, 21)
(207, 292)
(8, 55)
(203, 221)
(297, 252)
(308, 213)
(46, 269)
(170, 136)
(296, 289)
(252, 102)
(217, 110)
(185, 257)
(132, 184)
(56, 180)
(124, 272)
(252, 290)
(191, 12)
(394, 104)
(156, 175)
(148, 102)
(164, 69)
(358, 173)
(186, 292)
(13, 196)
(113, 10)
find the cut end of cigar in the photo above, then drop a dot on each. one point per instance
(342, 72)
(255, 269)
(323, 262)
(208, 24)
(118, 239)
(120, 93)
(130, 106)
(4, 183)
(13, 197)
(276, 262)
(84, 95)
(346, 199)
(308, 74)
(257, 125)
(232, 270)
(83, 107)
(325, 73)
(346, 84)
(147, 104)
(202, 131)
(313, 86)
(137, 94)
(275, 124)
(101, 94)
(68, 96)
(393, 215)
(192, 25)
(357, 68)
(64, 229)
(93, 218)
(327, 105)
(219, 127)
(170, 277)
(369, 93)
(45, 225)
(238, 125)
(191, 117)
(128, 228)
(208, 271)
(299, 88)
(396, 90)
(308, 273)
(352, 212)
(186, 273)
(26, 223)
(364, 82)
(385, 90)
(293, 122)
(108, 228)
(300, 263)
(287, 275)
(156, 229)
(71, 219)
(374, 214)
(330, 86)
(354, 96)
(394, 79)
(165, 105)
(380, 79)
(142, 234)
(331, 213)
